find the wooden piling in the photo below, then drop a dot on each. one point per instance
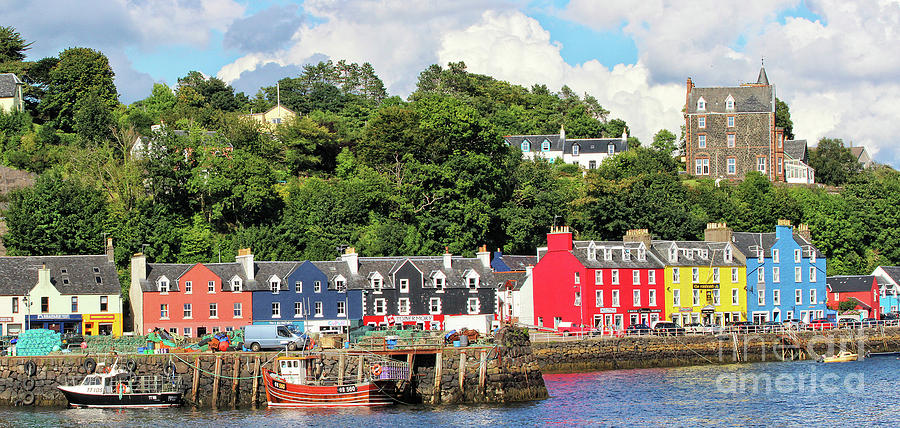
(342, 361)
(482, 371)
(218, 372)
(462, 369)
(410, 359)
(196, 385)
(359, 370)
(234, 381)
(438, 373)
(255, 399)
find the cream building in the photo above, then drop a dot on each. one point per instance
(11, 93)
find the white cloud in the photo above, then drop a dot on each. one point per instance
(181, 21)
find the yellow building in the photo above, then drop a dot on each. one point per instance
(11, 93)
(274, 116)
(705, 282)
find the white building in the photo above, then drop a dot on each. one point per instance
(588, 153)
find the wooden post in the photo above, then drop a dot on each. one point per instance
(255, 399)
(438, 373)
(409, 361)
(482, 371)
(359, 370)
(342, 361)
(462, 369)
(196, 385)
(218, 372)
(234, 381)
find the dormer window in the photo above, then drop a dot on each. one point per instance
(642, 254)
(575, 149)
(525, 146)
(611, 149)
(274, 285)
(701, 104)
(472, 283)
(673, 254)
(729, 103)
(162, 285)
(607, 254)
(376, 283)
(545, 146)
(626, 254)
(236, 285)
(728, 255)
(340, 284)
(439, 283)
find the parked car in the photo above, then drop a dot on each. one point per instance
(567, 328)
(743, 327)
(259, 337)
(772, 327)
(849, 323)
(666, 328)
(638, 330)
(820, 324)
(793, 324)
(870, 322)
(701, 328)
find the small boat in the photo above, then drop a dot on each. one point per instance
(295, 384)
(843, 357)
(115, 387)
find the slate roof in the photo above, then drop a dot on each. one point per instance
(747, 99)
(172, 271)
(333, 268)
(516, 278)
(857, 152)
(796, 149)
(762, 79)
(714, 253)
(263, 271)
(428, 265)
(69, 274)
(849, 283)
(517, 262)
(556, 143)
(893, 272)
(743, 241)
(595, 145)
(580, 249)
(8, 84)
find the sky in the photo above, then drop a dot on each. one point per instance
(830, 60)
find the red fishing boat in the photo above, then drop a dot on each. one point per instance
(297, 382)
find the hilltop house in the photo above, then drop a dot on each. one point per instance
(273, 117)
(588, 153)
(11, 93)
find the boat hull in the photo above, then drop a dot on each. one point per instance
(161, 399)
(366, 394)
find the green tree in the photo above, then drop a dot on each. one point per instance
(80, 71)
(834, 164)
(783, 118)
(12, 45)
(93, 119)
(664, 141)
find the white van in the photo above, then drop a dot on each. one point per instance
(269, 336)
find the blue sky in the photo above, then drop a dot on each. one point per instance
(825, 57)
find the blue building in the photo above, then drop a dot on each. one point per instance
(785, 274)
(509, 263)
(889, 288)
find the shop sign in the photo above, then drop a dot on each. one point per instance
(411, 318)
(706, 286)
(53, 317)
(685, 309)
(607, 310)
(644, 311)
(6, 319)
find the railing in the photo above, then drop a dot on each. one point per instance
(387, 343)
(146, 384)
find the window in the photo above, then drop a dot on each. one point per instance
(734, 297)
(298, 310)
(598, 277)
(626, 255)
(731, 123)
(403, 306)
(404, 286)
(776, 256)
(607, 254)
(701, 122)
(187, 332)
(652, 297)
(236, 285)
(525, 146)
(797, 255)
(545, 146)
(761, 297)
(732, 166)
(214, 310)
(695, 297)
(716, 298)
(812, 274)
(642, 254)
(104, 303)
(701, 166)
(734, 275)
(727, 255)
(651, 277)
(715, 274)
(701, 104)
(761, 164)
(776, 297)
(473, 283)
(237, 310)
(592, 164)
(276, 310)
(473, 306)
(188, 287)
(376, 284)
(798, 274)
(730, 139)
(695, 275)
(701, 141)
(598, 298)
(162, 285)
(15, 305)
(163, 311)
(636, 277)
(798, 297)
(275, 286)
(676, 275)
(379, 307)
(615, 276)
(317, 287)
(578, 277)
(187, 311)
(761, 275)
(434, 305)
(340, 285)
(812, 255)
(615, 298)
(776, 274)
(556, 321)
(676, 297)
(211, 287)
(636, 297)
(577, 298)
(439, 284)
(318, 308)
(74, 304)
(729, 103)
(812, 297)
(575, 149)
(298, 286)
(611, 149)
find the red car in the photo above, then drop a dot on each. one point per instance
(821, 324)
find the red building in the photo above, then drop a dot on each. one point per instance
(860, 289)
(603, 285)
(191, 300)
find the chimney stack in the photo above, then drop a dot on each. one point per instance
(447, 258)
(638, 235)
(559, 239)
(352, 258)
(717, 232)
(803, 230)
(43, 275)
(245, 258)
(110, 251)
(139, 267)
(484, 256)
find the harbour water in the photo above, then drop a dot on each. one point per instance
(860, 393)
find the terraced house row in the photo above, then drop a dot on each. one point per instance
(727, 277)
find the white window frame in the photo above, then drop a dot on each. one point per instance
(319, 308)
(798, 296)
(434, 302)
(237, 310)
(730, 121)
(695, 275)
(379, 306)
(652, 298)
(798, 274)
(188, 287)
(776, 255)
(598, 298)
(676, 297)
(735, 297)
(636, 277)
(213, 311)
(716, 274)
(812, 274)
(716, 299)
(798, 255)
(776, 274)
(636, 298)
(701, 141)
(298, 309)
(651, 277)
(298, 286)
(615, 298)
(676, 275)
(598, 277)
(404, 285)
(317, 287)
(187, 311)
(734, 275)
(577, 277)
(577, 299)
(615, 277)
(473, 305)
(701, 122)
(211, 287)
(276, 309)
(776, 297)
(701, 104)
(812, 296)
(403, 306)
(761, 297)
(695, 297)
